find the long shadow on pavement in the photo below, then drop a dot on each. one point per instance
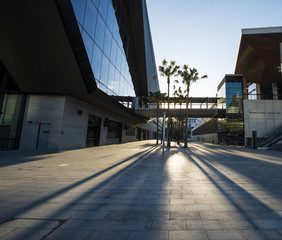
(101, 212)
(258, 216)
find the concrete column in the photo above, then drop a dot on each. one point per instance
(258, 91)
(275, 91)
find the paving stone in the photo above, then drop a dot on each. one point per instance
(149, 235)
(262, 234)
(188, 235)
(215, 215)
(26, 233)
(203, 225)
(122, 215)
(184, 215)
(69, 234)
(168, 225)
(268, 223)
(135, 225)
(236, 224)
(224, 235)
(154, 215)
(101, 225)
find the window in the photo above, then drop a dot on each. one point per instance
(79, 9)
(96, 2)
(88, 43)
(105, 70)
(108, 43)
(90, 18)
(110, 17)
(96, 62)
(111, 83)
(116, 30)
(100, 32)
(114, 52)
(103, 8)
(119, 55)
(117, 82)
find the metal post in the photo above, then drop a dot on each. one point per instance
(163, 132)
(254, 140)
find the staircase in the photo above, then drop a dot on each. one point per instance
(271, 137)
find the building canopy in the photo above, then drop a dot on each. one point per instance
(259, 55)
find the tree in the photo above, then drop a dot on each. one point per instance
(168, 71)
(180, 98)
(157, 97)
(188, 76)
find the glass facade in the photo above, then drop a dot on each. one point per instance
(100, 33)
(234, 107)
(231, 130)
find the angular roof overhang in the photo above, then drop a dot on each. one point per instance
(35, 49)
(259, 55)
(42, 49)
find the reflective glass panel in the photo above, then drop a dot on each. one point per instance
(117, 81)
(90, 18)
(115, 30)
(100, 32)
(110, 16)
(103, 8)
(97, 61)
(88, 43)
(114, 52)
(111, 84)
(108, 43)
(79, 9)
(96, 2)
(118, 64)
(105, 70)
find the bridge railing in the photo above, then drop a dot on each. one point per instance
(175, 103)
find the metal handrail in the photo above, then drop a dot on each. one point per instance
(271, 136)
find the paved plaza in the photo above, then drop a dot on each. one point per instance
(134, 191)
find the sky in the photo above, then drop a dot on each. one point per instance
(205, 34)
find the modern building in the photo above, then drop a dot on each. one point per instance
(63, 62)
(252, 95)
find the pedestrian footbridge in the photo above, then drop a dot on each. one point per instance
(197, 107)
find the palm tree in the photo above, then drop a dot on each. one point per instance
(181, 97)
(168, 71)
(188, 76)
(156, 97)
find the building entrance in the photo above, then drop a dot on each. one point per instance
(93, 131)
